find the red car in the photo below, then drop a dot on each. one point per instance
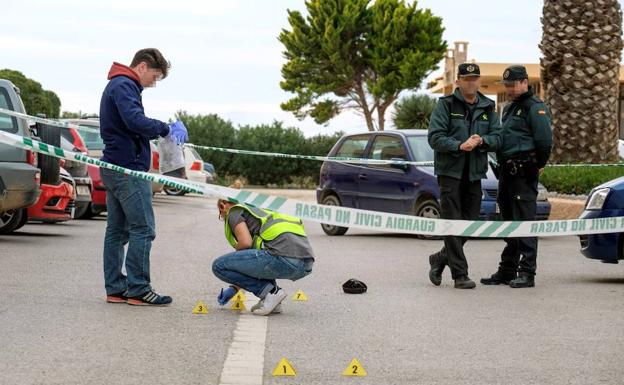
(71, 140)
(94, 145)
(98, 193)
(56, 202)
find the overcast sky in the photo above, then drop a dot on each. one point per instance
(225, 55)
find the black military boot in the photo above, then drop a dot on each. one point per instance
(499, 278)
(523, 280)
(437, 267)
(464, 282)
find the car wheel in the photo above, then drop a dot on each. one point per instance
(81, 211)
(174, 191)
(88, 213)
(22, 221)
(10, 219)
(428, 209)
(332, 200)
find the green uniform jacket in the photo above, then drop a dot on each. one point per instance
(526, 127)
(451, 124)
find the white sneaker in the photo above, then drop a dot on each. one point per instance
(270, 302)
(277, 310)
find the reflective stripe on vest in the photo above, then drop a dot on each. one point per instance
(272, 225)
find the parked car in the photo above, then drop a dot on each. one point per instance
(604, 201)
(194, 171)
(98, 194)
(394, 188)
(211, 174)
(71, 140)
(57, 203)
(19, 175)
(95, 146)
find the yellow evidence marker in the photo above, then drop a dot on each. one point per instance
(355, 369)
(299, 296)
(200, 308)
(284, 368)
(240, 296)
(238, 305)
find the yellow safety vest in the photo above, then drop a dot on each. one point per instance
(272, 225)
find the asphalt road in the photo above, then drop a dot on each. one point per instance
(55, 327)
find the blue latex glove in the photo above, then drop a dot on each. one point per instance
(178, 132)
(226, 295)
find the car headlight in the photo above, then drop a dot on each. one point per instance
(542, 193)
(597, 199)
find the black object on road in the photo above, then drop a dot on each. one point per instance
(353, 286)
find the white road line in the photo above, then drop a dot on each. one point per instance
(244, 364)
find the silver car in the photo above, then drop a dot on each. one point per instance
(19, 175)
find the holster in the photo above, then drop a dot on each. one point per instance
(522, 164)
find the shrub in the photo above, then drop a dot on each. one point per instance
(578, 180)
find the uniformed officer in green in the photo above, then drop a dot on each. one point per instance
(463, 127)
(527, 143)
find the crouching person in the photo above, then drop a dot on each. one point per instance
(269, 246)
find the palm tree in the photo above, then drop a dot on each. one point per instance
(581, 47)
(413, 112)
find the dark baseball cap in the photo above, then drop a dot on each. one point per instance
(513, 73)
(468, 69)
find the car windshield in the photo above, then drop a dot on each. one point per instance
(92, 140)
(420, 147)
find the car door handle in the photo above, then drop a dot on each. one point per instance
(363, 176)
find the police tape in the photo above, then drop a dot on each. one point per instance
(343, 216)
(49, 122)
(340, 159)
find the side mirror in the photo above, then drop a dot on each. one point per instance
(400, 166)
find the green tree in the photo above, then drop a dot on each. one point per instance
(413, 111)
(269, 138)
(36, 99)
(211, 130)
(317, 145)
(347, 55)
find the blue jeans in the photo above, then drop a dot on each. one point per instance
(256, 270)
(130, 220)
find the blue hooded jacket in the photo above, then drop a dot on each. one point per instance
(125, 129)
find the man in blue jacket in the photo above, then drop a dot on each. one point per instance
(126, 132)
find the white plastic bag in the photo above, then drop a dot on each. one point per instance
(171, 155)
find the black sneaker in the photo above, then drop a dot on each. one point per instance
(498, 278)
(435, 273)
(150, 299)
(523, 280)
(464, 283)
(117, 298)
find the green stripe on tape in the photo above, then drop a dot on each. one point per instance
(260, 199)
(44, 147)
(28, 141)
(490, 229)
(471, 229)
(59, 151)
(512, 226)
(242, 196)
(277, 203)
